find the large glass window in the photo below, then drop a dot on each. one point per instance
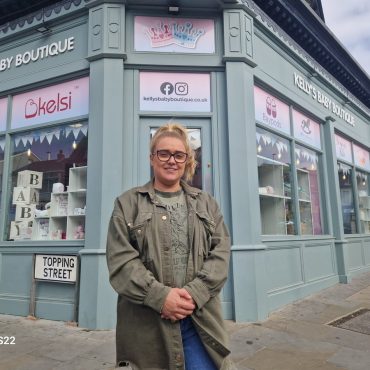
(347, 199)
(362, 179)
(48, 184)
(308, 191)
(275, 185)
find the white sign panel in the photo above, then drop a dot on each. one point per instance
(343, 148)
(3, 113)
(306, 129)
(361, 157)
(176, 35)
(66, 100)
(180, 92)
(56, 267)
(271, 111)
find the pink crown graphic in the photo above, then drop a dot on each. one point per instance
(165, 34)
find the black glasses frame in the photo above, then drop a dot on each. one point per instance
(170, 155)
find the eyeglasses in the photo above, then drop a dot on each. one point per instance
(165, 155)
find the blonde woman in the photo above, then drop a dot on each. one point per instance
(168, 253)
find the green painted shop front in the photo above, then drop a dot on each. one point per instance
(278, 146)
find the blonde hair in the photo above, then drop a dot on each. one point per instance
(178, 131)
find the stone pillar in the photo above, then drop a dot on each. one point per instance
(106, 54)
(341, 244)
(248, 253)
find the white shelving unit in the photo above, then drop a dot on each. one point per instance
(364, 204)
(304, 197)
(274, 196)
(66, 218)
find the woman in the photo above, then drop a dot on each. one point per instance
(168, 252)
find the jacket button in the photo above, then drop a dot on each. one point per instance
(139, 231)
(164, 218)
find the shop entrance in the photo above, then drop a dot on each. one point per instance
(199, 131)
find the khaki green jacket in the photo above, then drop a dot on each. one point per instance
(139, 262)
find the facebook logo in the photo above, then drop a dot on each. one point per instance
(167, 88)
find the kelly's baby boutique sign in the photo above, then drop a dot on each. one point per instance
(179, 35)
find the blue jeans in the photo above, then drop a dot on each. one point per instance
(196, 356)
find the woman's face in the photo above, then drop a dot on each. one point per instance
(167, 175)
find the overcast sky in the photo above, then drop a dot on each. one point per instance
(349, 20)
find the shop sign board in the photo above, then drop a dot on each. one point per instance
(54, 267)
(38, 53)
(327, 102)
(361, 157)
(179, 92)
(343, 149)
(271, 111)
(62, 101)
(3, 113)
(174, 35)
(306, 129)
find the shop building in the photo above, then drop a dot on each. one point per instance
(278, 116)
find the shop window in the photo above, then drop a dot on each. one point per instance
(347, 199)
(48, 184)
(2, 148)
(308, 191)
(362, 179)
(275, 185)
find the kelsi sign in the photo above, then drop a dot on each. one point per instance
(39, 107)
(66, 100)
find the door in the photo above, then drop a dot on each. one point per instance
(199, 131)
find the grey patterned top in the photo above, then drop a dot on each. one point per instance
(175, 204)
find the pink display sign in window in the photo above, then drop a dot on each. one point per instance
(306, 129)
(271, 111)
(361, 157)
(343, 149)
(62, 101)
(176, 35)
(3, 113)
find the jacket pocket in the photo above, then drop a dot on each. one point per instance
(138, 233)
(206, 230)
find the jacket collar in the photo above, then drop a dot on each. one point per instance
(148, 188)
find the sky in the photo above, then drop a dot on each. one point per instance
(350, 23)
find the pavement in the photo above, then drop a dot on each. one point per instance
(295, 337)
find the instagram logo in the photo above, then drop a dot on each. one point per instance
(181, 88)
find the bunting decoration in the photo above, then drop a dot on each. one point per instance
(2, 143)
(306, 155)
(272, 141)
(51, 133)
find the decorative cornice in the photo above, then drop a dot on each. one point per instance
(46, 14)
(315, 66)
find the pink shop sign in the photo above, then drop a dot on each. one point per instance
(174, 35)
(306, 129)
(3, 113)
(271, 111)
(62, 101)
(361, 157)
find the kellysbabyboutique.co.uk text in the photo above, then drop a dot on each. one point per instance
(182, 99)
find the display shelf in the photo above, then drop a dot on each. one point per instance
(77, 179)
(364, 205)
(303, 185)
(66, 218)
(274, 191)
